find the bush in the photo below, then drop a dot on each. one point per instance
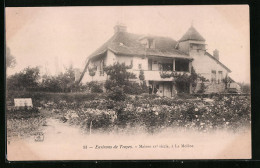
(116, 93)
(24, 80)
(95, 87)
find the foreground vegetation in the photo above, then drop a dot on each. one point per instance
(124, 106)
(147, 112)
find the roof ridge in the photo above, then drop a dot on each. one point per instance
(211, 56)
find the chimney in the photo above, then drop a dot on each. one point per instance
(216, 54)
(119, 27)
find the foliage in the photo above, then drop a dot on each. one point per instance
(202, 87)
(144, 88)
(27, 79)
(116, 93)
(149, 111)
(50, 84)
(118, 74)
(64, 82)
(95, 87)
(155, 114)
(184, 78)
(23, 123)
(120, 77)
(226, 81)
(245, 88)
(141, 75)
(10, 59)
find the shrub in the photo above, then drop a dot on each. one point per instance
(116, 93)
(24, 80)
(95, 87)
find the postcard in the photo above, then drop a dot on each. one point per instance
(128, 83)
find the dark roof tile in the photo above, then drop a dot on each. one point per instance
(129, 44)
(192, 34)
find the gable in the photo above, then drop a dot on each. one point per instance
(217, 61)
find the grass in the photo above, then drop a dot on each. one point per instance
(24, 123)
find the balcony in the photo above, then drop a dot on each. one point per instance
(153, 75)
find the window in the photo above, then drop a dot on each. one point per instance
(213, 76)
(139, 66)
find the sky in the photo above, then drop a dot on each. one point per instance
(56, 37)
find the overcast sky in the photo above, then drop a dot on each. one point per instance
(55, 36)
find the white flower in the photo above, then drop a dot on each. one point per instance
(156, 113)
(196, 109)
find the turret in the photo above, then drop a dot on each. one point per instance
(191, 41)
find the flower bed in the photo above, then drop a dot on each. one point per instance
(155, 114)
(147, 112)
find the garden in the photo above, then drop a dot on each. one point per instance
(123, 107)
(148, 113)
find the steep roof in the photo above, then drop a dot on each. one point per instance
(192, 34)
(211, 56)
(124, 43)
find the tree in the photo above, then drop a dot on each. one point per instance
(141, 75)
(118, 73)
(245, 88)
(118, 83)
(64, 82)
(10, 59)
(144, 87)
(26, 79)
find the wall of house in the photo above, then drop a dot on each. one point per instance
(110, 58)
(124, 59)
(184, 46)
(142, 61)
(204, 65)
(98, 77)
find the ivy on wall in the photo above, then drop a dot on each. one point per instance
(191, 78)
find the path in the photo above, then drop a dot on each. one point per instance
(65, 142)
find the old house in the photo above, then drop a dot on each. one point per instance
(154, 55)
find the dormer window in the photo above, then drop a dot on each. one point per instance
(147, 42)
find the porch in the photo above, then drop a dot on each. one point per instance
(167, 88)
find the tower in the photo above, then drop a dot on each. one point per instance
(192, 42)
